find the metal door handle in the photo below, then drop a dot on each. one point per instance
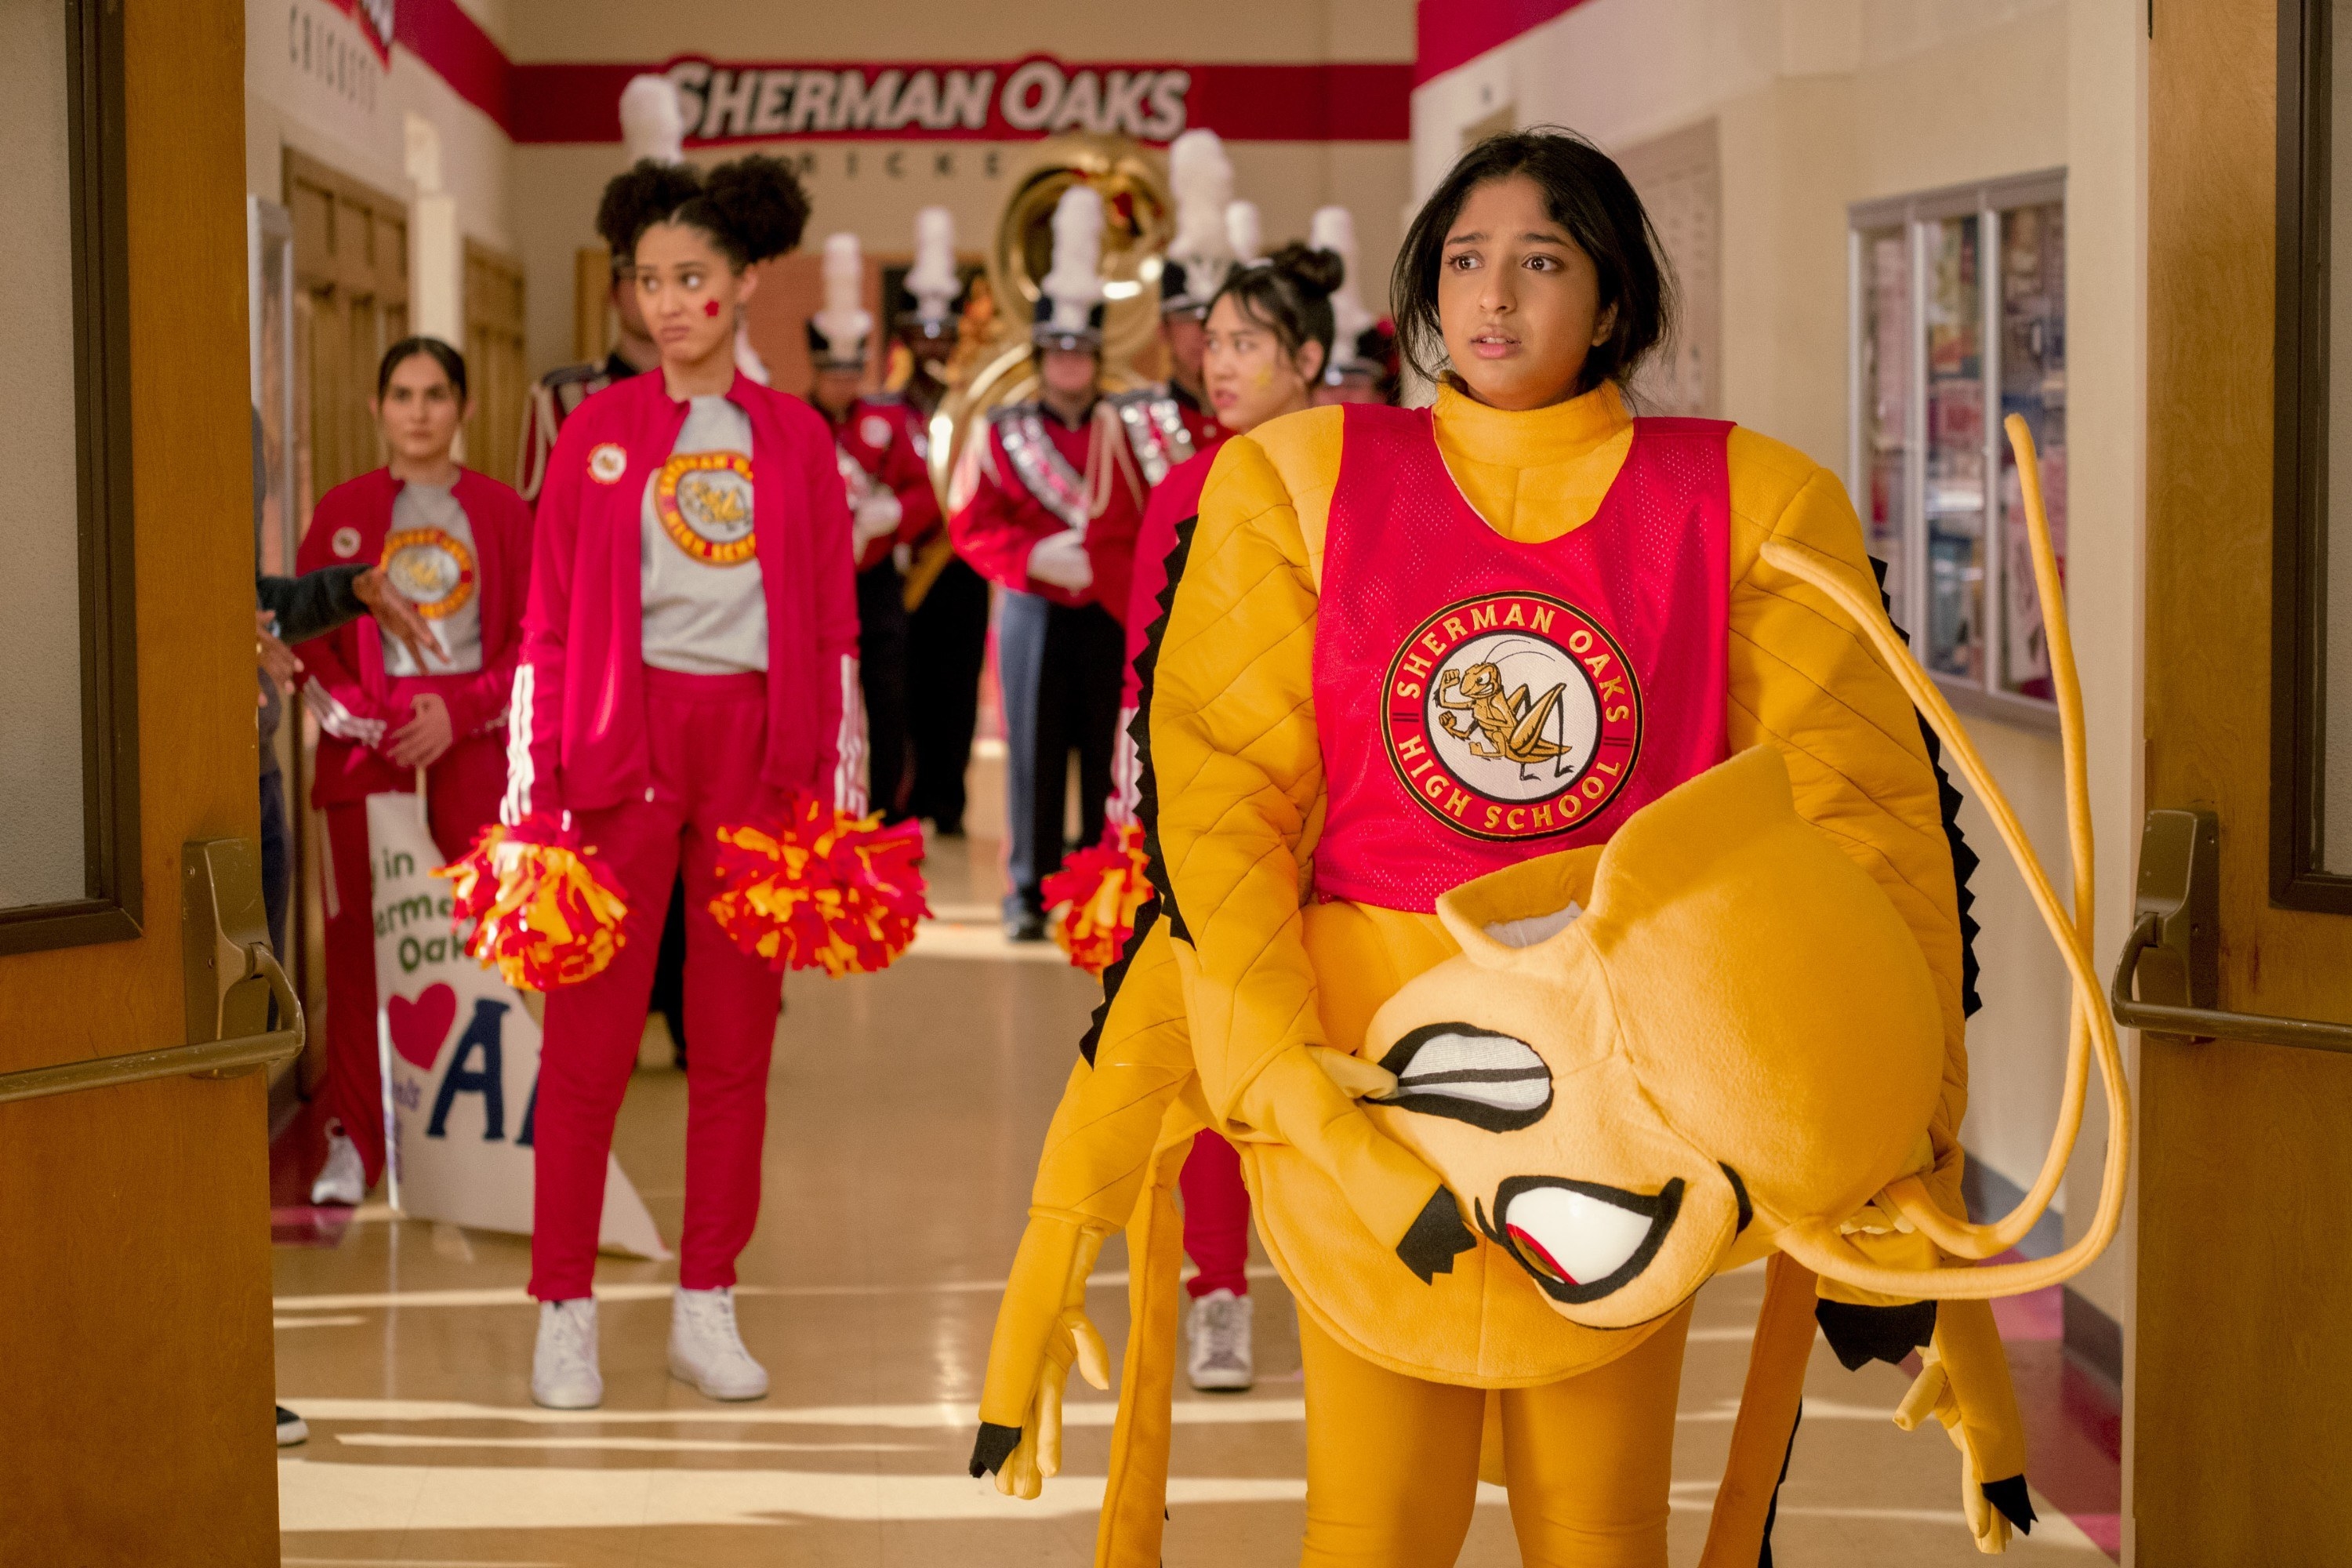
(2179, 927)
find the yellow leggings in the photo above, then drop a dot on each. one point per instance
(1392, 1461)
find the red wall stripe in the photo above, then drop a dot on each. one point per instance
(1450, 32)
(453, 45)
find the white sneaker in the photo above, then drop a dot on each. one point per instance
(344, 1179)
(1220, 1330)
(291, 1428)
(706, 1348)
(563, 1374)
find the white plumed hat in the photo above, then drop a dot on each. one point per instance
(1070, 296)
(1334, 229)
(653, 119)
(934, 279)
(837, 332)
(1245, 231)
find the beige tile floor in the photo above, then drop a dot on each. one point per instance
(906, 1112)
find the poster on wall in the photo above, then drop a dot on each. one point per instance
(460, 1056)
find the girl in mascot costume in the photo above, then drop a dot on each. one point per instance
(1556, 903)
(458, 544)
(689, 669)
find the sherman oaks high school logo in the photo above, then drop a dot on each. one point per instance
(1512, 716)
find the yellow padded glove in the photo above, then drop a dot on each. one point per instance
(1964, 1383)
(1041, 1328)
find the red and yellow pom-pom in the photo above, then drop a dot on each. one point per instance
(1099, 888)
(821, 888)
(544, 913)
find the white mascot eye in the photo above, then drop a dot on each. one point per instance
(1581, 1238)
(1468, 1074)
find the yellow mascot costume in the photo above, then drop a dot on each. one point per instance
(1496, 1148)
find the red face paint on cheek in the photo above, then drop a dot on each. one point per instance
(710, 307)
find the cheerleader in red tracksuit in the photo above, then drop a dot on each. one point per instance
(456, 544)
(690, 662)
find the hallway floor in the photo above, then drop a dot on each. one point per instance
(906, 1113)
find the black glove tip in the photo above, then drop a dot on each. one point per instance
(993, 1446)
(2016, 1503)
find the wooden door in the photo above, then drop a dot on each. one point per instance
(351, 274)
(494, 360)
(134, 1224)
(2240, 1356)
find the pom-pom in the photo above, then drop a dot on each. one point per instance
(1099, 890)
(544, 913)
(821, 888)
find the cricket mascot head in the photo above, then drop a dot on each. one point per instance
(1715, 1036)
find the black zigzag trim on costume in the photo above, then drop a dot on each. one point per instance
(2015, 1502)
(1772, 1509)
(1147, 805)
(1948, 798)
(1859, 1335)
(1115, 976)
(994, 1446)
(1146, 788)
(1436, 1235)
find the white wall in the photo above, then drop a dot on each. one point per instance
(1821, 103)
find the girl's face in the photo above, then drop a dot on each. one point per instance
(1249, 376)
(689, 293)
(419, 410)
(1518, 300)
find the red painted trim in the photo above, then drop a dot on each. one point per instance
(536, 103)
(1450, 32)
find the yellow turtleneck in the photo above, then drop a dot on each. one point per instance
(1224, 1019)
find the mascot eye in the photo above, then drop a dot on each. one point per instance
(1490, 1080)
(1580, 1240)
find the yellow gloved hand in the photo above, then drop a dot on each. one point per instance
(1992, 1501)
(1042, 1329)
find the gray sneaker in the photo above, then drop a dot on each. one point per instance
(1220, 1359)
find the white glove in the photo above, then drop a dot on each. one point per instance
(877, 515)
(1060, 559)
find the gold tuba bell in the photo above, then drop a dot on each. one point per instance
(1139, 220)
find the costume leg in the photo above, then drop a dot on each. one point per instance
(1020, 656)
(732, 998)
(1391, 1461)
(1590, 1459)
(591, 1045)
(353, 1090)
(1059, 729)
(947, 647)
(1098, 677)
(1216, 1217)
(882, 673)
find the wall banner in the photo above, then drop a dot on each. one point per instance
(1011, 100)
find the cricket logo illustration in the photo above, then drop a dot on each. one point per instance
(1512, 716)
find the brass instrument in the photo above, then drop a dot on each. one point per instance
(1139, 220)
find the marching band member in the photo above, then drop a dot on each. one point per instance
(1056, 499)
(689, 660)
(458, 544)
(1200, 178)
(1306, 817)
(947, 601)
(1361, 367)
(891, 503)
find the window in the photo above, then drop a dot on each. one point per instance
(1958, 308)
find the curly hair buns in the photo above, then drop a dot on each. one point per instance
(752, 208)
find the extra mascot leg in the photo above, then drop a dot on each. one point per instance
(1767, 1416)
(1135, 1497)
(1590, 1459)
(1391, 1461)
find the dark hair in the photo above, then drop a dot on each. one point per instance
(752, 208)
(452, 363)
(1586, 193)
(1288, 293)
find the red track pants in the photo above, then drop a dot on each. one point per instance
(705, 738)
(461, 798)
(1216, 1217)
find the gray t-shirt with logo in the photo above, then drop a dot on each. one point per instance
(430, 557)
(705, 611)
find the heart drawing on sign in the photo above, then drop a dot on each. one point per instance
(419, 1027)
